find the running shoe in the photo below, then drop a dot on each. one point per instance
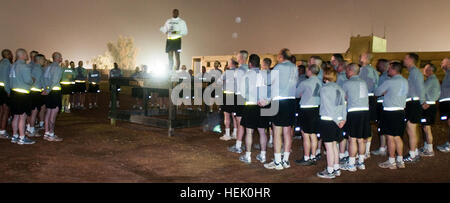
(261, 158)
(244, 159)
(326, 175)
(273, 165)
(388, 165)
(25, 141)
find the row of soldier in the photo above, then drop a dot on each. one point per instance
(333, 104)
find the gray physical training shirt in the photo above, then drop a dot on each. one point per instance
(341, 78)
(238, 77)
(370, 76)
(357, 94)
(395, 91)
(309, 90)
(332, 102)
(432, 89)
(20, 76)
(94, 76)
(52, 76)
(37, 72)
(416, 84)
(5, 68)
(253, 83)
(383, 77)
(284, 80)
(445, 87)
(301, 78)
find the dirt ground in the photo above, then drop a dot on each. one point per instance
(94, 151)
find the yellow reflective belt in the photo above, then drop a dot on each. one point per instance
(93, 83)
(2, 84)
(250, 103)
(65, 83)
(175, 37)
(36, 89)
(80, 81)
(228, 92)
(21, 90)
(56, 88)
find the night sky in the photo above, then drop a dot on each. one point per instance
(80, 29)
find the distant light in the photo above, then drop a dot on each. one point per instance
(234, 35)
(238, 20)
(297, 129)
(444, 118)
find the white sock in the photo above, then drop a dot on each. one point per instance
(336, 167)
(361, 158)
(392, 160)
(47, 133)
(248, 155)
(382, 149)
(277, 157)
(238, 144)
(22, 137)
(425, 145)
(317, 152)
(28, 126)
(346, 153)
(306, 158)
(312, 156)
(341, 155)
(234, 132)
(412, 154)
(368, 147)
(2, 132)
(16, 135)
(271, 139)
(227, 132)
(263, 153)
(430, 147)
(352, 161)
(330, 169)
(416, 152)
(41, 123)
(286, 156)
(31, 130)
(400, 159)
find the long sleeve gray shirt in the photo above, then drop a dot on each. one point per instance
(309, 91)
(52, 77)
(284, 78)
(445, 87)
(301, 78)
(341, 78)
(37, 72)
(416, 84)
(357, 94)
(239, 74)
(332, 103)
(395, 91)
(20, 76)
(370, 76)
(432, 89)
(94, 76)
(383, 77)
(5, 68)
